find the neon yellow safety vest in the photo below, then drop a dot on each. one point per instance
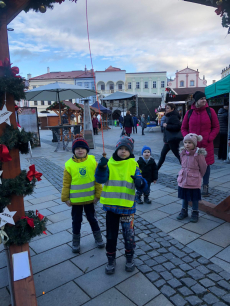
(119, 190)
(82, 187)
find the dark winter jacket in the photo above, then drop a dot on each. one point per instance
(223, 120)
(173, 122)
(121, 119)
(135, 120)
(128, 121)
(149, 170)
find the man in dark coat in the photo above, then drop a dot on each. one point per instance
(223, 121)
(121, 121)
(128, 123)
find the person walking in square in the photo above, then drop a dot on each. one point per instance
(95, 125)
(120, 176)
(128, 123)
(149, 171)
(223, 121)
(190, 176)
(135, 121)
(80, 191)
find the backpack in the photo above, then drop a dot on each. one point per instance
(207, 109)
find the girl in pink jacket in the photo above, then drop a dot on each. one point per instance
(190, 176)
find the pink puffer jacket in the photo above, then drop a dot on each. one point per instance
(193, 168)
(199, 123)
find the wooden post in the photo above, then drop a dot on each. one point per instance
(23, 291)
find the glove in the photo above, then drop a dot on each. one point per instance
(138, 181)
(103, 163)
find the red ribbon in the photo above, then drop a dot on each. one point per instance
(14, 70)
(32, 172)
(40, 217)
(4, 153)
(30, 221)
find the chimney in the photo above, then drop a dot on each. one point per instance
(48, 69)
(213, 81)
(29, 76)
(85, 69)
(203, 77)
(197, 70)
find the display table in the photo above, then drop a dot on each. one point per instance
(64, 135)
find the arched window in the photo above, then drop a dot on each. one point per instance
(181, 83)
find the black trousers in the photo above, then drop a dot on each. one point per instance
(134, 128)
(222, 153)
(95, 131)
(174, 147)
(143, 130)
(77, 211)
(112, 229)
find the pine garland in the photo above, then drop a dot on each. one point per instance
(20, 186)
(22, 232)
(62, 104)
(12, 85)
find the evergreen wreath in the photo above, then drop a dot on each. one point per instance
(22, 232)
(12, 85)
(19, 186)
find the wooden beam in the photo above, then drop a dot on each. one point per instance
(14, 8)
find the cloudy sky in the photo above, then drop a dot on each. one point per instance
(135, 35)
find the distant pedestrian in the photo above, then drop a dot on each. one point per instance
(163, 120)
(190, 176)
(80, 191)
(128, 123)
(149, 172)
(143, 124)
(135, 121)
(223, 121)
(121, 121)
(95, 125)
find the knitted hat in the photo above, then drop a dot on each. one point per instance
(80, 142)
(198, 95)
(145, 148)
(127, 142)
(193, 138)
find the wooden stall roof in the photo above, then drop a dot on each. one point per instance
(94, 109)
(72, 106)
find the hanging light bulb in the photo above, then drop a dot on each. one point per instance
(2, 4)
(42, 8)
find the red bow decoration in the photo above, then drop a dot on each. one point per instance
(32, 172)
(40, 217)
(4, 153)
(219, 11)
(30, 221)
(13, 70)
(16, 107)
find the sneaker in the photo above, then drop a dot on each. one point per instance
(130, 265)
(183, 214)
(98, 239)
(146, 200)
(139, 201)
(110, 268)
(194, 216)
(76, 243)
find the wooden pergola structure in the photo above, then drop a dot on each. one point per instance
(67, 109)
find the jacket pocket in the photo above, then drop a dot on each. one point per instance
(180, 176)
(192, 179)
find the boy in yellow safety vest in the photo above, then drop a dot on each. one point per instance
(81, 191)
(121, 176)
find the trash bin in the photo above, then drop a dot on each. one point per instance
(76, 129)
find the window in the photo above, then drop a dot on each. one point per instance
(137, 84)
(181, 83)
(49, 102)
(119, 86)
(35, 102)
(86, 84)
(129, 85)
(34, 86)
(79, 83)
(71, 100)
(146, 85)
(102, 86)
(92, 86)
(162, 84)
(111, 87)
(94, 99)
(42, 102)
(154, 84)
(192, 83)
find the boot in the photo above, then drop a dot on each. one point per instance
(139, 201)
(110, 268)
(76, 243)
(183, 214)
(205, 192)
(194, 216)
(98, 239)
(130, 265)
(146, 200)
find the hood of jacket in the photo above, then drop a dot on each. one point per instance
(199, 108)
(222, 111)
(196, 151)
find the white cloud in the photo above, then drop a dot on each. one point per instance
(149, 35)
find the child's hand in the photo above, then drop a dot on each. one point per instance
(95, 200)
(137, 181)
(154, 182)
(103, 163)
(68, 203)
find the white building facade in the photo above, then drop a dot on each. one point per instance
(225, 72)
(187, 78)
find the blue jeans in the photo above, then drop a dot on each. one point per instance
(206, 176)
(120, 124)
(195, 205)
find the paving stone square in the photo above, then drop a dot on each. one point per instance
(201, 227)
(183, 235)
(205, 248)
(167, 224)
(220, 235)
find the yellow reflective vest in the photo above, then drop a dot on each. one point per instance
(82, 187)
(119, 190)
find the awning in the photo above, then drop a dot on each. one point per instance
(118, 95)
(219, 88)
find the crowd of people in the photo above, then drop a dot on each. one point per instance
(126, 181)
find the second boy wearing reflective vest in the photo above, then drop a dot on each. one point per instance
(121, 176)
(81, 191)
